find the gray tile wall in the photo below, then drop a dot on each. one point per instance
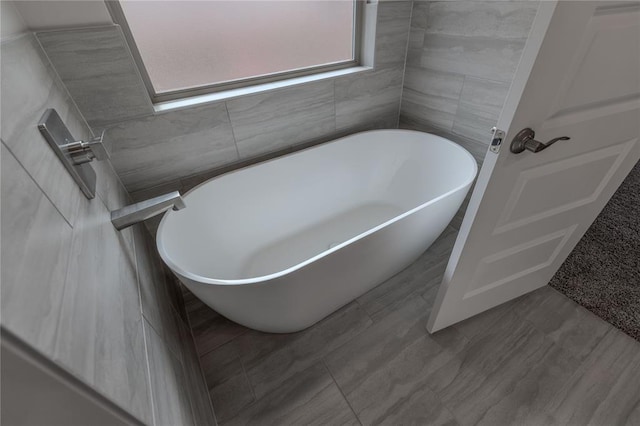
(94, 300)
(461, 59)
(163, 150)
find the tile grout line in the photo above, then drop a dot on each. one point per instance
(404, 65)
(146, 351)
(246, 376)
(216, 347)
(143, 319)
(365, 311)
(198, 356)
(252, 403)
(335, 107)
(553, 345)
(340, 390)
(77, 207)
(233, 133)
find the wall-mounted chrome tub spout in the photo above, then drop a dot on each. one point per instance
(135, 213)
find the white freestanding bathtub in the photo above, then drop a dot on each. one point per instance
(280, 245)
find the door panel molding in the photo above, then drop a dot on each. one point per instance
(490, 264)
(529, 210)
(612, 155)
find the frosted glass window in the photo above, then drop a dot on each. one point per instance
(190, 44)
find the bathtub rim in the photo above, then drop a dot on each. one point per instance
(266, 278)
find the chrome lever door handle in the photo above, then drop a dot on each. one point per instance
(525, 140)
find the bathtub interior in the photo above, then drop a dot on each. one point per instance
(267, 218)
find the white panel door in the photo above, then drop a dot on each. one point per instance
(579, 77)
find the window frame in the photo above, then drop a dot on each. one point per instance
(119, 18)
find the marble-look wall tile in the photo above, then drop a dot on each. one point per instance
(35, 253)
(491, 19)
(109, 187)
(433, 83)
(168, 384)
(493, 59)
(431, 96)
(147, 151)
(420, 14)
(480, 104)
(29, 87)
(273, 120)
(437, 112)
(368, 101)
(392, 33)
(98, 69)
(416, 40)
(477, 148)
(154, 294)
(156, 149)
(70, 282)
(476, 42)
(100, 329)
(154, 191)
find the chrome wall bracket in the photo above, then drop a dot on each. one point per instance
(74, 154)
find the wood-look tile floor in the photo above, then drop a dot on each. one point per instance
(539, 360)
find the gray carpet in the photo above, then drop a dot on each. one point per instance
(603, 271)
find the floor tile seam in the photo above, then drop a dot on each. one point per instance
(373, 313)
(201, 354)
(416, 292)
(76, 208)
(446, 407)
(450, 406)
(493, 371)
(580, 358)
(582, 309)
(312, 359)
(557, 402)
(473, 338)
(361, 306)
(577, 368)
(246, 376)
(432, 390)
(344, 396)
(436, 393)
(321, 358)
(238, 358)
(253, 394)
(427, 302)
(266, 395)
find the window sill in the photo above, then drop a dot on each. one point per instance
(194, 101)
